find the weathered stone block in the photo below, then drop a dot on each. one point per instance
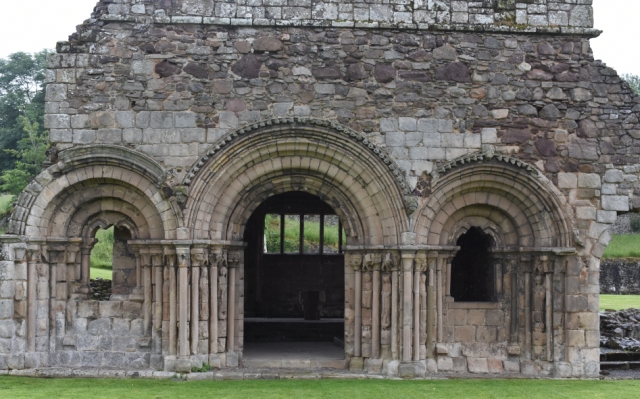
(615, 203)
(478, 365)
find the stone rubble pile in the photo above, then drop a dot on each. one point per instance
(101, 289)
(620, 330)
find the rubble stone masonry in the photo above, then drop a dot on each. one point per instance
(414, 120)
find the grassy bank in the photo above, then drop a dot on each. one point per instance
(623, 246)
(19, 388)
(618, 302)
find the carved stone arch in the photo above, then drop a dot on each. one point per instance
(296, 154)
(293, 122)
(487, 226)
(145, 222)
(99, 172)
(106, 220)
(254, 196)
(535, 208)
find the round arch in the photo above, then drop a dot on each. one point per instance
(512, 199)
(355, 178)
(89, 180)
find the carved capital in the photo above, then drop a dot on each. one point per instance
(372, 262)
(233, 259)
(421, 262)
(198, 259)
(156, 260)
(355, 261)
(34, 255)
(390, 262)
(171, 259)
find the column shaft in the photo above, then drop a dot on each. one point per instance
(375, 316)
(357, 334)
(394, 315)
(231, 314)
(407, 305)
(195, 296)
(213, 311)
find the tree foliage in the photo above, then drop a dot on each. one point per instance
(22, 83)
(634, 82)
(23, 141)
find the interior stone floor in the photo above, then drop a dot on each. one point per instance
(294, 355)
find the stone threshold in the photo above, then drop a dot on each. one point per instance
(269, 374)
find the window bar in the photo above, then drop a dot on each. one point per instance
(321, 240)
(282, 233)
(339, 236)
(301, 247)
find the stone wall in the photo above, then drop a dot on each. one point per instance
(175, 120)
(504, 15)
(620, 276)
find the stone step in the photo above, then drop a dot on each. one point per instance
(620, 356)
(338, 364)
(619, 365)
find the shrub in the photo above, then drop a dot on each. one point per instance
(635, 223)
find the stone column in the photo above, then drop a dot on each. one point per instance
(356, 263)
(87, 246)
(513, 322)
(375, 308)
(70, 258)
(548, 274)
(233, 260)
(407, 304)
(439, 297)
(157, 264)
(420, 267)
(215, 259)
(56, 258)
(33, 258)
(431, 305)
(183, 255)
(395, 318)
(171, 261)
(525, 265)
(147, 305)
(197, 261)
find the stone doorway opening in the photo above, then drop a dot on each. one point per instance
(294, 283)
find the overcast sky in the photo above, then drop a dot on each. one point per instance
(32, 25)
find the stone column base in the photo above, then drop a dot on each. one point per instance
(412, 369)
(183, 365)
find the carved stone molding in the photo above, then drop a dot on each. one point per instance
(399, 175)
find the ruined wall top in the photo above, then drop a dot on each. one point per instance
(535, 16)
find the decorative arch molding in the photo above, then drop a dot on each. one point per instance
(493, 222)
(78, 164)
(107, 219)
(485, 155)
(307, 125)
(530, 203)
(79, 156)
(296, 157)
(90, 189)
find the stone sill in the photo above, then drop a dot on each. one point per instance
(199, 20)
(473, 305)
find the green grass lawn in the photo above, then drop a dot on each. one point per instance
(618, 302)
(102, 273)
(623, 246)
(16, 387)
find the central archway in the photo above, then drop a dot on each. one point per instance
(339, 167)
(294, 280)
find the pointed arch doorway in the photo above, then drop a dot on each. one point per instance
(294, 283)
